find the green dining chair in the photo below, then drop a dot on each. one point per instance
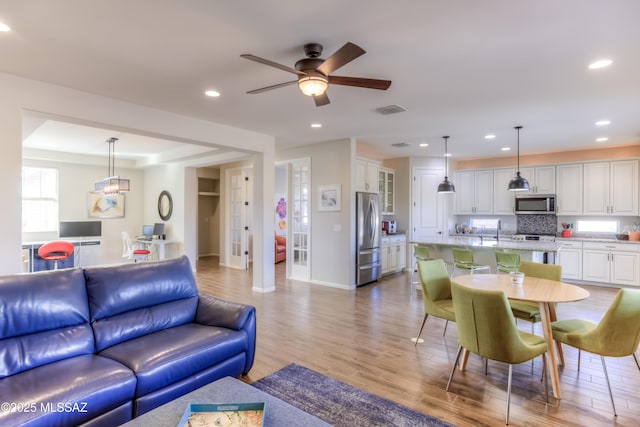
(436, 293)
(616, 335)
(463, 259)
(530, 311)
(486, 327)
(420, 253)
(507, 262)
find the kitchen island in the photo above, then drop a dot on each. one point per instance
(484, 248)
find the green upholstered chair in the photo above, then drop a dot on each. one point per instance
(420, 253)
(530, 311)
(507, 262)
(486, 327)
(463, 259)
(436, 292)
(617, 334)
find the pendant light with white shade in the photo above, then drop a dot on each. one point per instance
(446, 186)
(518, 183)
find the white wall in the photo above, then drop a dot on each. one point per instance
(19, 95)
(332, 233)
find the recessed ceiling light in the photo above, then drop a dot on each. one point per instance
(424, 144)
(603, 122)
(489, 136)
(447, 155)
(316, 125)
(506, 149)
(4, 27)
(602, 139)
(212, 93)
(600, 64)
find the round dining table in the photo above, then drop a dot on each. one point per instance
(542, 291)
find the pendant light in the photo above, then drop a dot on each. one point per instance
(112, 184)
(518, 183)
(446, 186)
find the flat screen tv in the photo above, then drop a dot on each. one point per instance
(80, 229)
(158, 229)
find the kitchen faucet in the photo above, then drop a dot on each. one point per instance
(498, 228)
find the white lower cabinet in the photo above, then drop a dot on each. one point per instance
(570, 257)
(394, 253)
(618, 264)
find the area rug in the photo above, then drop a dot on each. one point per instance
(338, 403)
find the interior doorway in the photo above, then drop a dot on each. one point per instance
(299, 229)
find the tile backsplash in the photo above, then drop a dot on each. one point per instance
(536, 224)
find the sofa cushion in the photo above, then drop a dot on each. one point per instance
(86, 387)
(133, 300)
(167, 356)
(44, 317)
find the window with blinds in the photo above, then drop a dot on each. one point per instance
(39, 199)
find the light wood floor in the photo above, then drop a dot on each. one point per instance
(362, 337)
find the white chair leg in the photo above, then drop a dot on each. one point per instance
(421, 327)
(509, 393)
(604, 368)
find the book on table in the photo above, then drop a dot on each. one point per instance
(223, 414)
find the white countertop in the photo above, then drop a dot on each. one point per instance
(595, 239)
(506, 243)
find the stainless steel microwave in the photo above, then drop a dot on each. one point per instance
(536, 204)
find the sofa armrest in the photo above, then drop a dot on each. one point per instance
(215, 311)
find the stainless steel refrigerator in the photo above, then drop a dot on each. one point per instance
(368, 265)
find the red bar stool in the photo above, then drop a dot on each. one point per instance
(55, 251)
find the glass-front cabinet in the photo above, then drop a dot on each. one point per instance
(386, 188)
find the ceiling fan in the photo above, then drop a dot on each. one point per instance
(314, 72)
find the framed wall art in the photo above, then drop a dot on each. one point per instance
(105, 205)
(329, 197)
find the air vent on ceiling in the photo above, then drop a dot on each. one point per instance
(390, 109)
(400, 144)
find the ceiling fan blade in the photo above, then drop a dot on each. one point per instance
(360, 82)
(342, 56)
(264, 89)
(321, 100)
(272, 64)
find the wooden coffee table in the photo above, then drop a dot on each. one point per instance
(227, 390)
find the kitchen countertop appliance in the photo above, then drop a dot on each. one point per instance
(389, 226)
(368, 231)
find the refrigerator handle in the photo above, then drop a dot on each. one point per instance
(373, 220)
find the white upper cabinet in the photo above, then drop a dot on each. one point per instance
(542, 179)
(611, 188)
(503, 199)
(569, 189)
(386, 188)
(474, 192)
(367, 175)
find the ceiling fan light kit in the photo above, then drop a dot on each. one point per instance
(313, 85)
(314, 72)
(518, 183)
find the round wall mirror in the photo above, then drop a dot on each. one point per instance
(165, 205)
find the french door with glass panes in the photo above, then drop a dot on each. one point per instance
(239, 209)
(300, 191)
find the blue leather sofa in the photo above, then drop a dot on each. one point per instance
(102, 345)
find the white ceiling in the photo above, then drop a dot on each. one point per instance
(462, 68)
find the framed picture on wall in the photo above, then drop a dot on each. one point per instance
(105, 205)
(329, 197)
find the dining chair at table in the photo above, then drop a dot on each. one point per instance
(436, 293)
(486, 327)
(530, 311)
(616, 335)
